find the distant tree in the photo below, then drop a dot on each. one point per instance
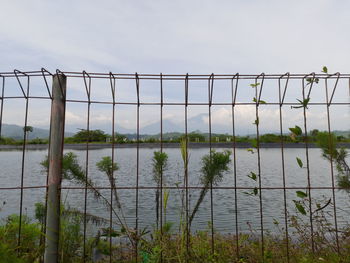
(341, 138)
(269, 137)
(151, 140)
(120, 138)
(223, 137)
(91, 136)
(242, 138)
(194, 137)
(314, 132)
(26, 130)
(69, 140)
(7, 140)
(38, 141)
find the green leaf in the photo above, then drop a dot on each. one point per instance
(303, 103)
(256, 122)
(300, 163)
(325, 69)
(299, 207)
(296, 130)
(306, 102)
(260, 101)
(311, 80)
(254, 192)
(301, 194)
(253, 176)
(255, 85)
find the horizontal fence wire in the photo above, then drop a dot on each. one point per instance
(290, 95)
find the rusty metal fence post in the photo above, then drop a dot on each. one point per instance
(55, 168)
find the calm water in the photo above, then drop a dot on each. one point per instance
(224, 202)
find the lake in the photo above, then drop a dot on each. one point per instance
(248, 212)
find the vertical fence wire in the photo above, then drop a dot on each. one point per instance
(331, 145)
(25, 132)
(233, 97)
(43, 228)
(87, 84)
(210, 99)
(305, 99)
(112, 84)
(257, 99)
(137, 165)
(161, 168)
(2, 101)
(281, 97)
(187, 205)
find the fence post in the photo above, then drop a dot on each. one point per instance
(55, 168)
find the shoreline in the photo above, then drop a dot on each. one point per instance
(192, 145)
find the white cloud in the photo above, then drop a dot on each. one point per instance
(72, 118)
(269, 119)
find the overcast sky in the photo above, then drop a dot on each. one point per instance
(201, 36)
(222, 36)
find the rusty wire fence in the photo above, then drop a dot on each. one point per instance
(258, 193)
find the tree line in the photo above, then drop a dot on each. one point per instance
(99, 136)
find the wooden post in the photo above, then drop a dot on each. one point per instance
(55, 168)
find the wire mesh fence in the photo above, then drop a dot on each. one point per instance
(176, 168)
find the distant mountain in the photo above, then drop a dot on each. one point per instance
(196, 123)
(16, 132)
(168, 126)
(201, 123)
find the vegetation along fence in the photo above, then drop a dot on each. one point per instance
(105, 167)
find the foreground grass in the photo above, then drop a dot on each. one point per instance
(172, 248)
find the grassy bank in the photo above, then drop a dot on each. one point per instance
(171, 247)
